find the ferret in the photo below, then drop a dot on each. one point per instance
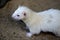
(48, 20)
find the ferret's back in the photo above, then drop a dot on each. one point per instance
(51, 18)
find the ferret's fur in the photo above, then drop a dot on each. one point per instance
(48, 20)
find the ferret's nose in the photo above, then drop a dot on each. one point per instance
(12, 17)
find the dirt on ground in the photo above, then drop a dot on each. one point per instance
(11, 30)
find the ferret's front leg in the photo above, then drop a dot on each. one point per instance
(32, 32)
(29, 34)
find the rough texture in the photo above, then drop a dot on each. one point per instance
(11, 30)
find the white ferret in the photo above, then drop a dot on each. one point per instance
(48, 20)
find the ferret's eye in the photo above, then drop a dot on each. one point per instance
(18, 15)
(24, 14)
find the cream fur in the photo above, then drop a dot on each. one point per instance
(48, 20)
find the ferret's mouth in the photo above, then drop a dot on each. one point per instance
(15, 19)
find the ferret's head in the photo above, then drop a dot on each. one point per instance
(20, 13)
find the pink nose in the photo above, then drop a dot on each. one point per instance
(12, 16)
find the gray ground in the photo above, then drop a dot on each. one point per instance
(10, 30)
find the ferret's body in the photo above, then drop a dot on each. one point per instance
(48, 20)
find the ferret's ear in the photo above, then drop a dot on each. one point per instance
(24, 13)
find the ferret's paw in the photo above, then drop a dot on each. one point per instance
(29, 34)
